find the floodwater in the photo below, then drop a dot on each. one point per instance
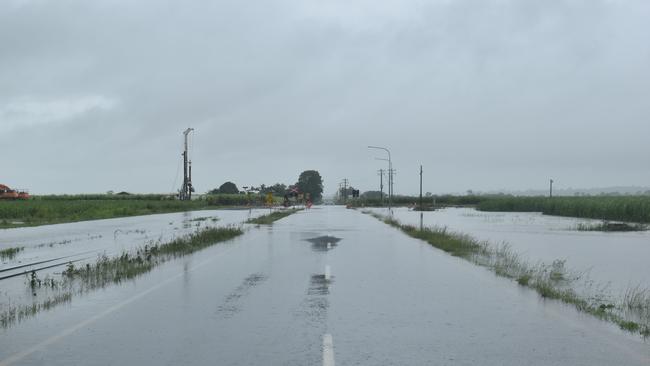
(278, 296)
(55, 246)
(616, 260)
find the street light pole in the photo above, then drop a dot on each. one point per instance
(390, 174)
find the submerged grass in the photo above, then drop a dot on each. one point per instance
(550, 281)
(272, 217)
(612, 227)
(107, 270)
(10, 253)
(129, 265)
(18, 313)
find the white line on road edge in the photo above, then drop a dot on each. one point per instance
(20, 355)
(328, 350)
(327, 273)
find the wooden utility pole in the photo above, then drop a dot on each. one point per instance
(421, 208)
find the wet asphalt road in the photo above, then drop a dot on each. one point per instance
(265, 299)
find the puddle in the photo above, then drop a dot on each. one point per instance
(323, 243)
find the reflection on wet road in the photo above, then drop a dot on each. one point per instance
(321, 285)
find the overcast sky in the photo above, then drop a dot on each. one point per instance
(486, 95)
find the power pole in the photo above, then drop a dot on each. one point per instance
(421, 208)
(345, 189)
(390, 175)
(550, 194)
(391, 181)
(187, 189)
(381, 185)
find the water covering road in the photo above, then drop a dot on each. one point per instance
(274, 297)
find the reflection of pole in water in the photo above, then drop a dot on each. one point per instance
(421, 221)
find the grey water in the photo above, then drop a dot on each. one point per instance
(264, 299)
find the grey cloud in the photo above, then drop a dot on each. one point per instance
(484, 94)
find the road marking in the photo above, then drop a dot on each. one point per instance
(20, 355)
(328, 350)
(327, 272)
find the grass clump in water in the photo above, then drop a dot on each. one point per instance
(129, 265)
(272, 217)
(10, 253)
(20, 312)
(612, 227)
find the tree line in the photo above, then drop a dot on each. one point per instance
(309, 182)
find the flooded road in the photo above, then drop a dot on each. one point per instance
(321, 286)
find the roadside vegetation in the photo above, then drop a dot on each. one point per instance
(106, 271)
(79, 279)
(43, 210)
(614, 208)
(269, 219)
(550, 281)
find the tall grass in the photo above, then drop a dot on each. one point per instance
(59, 209)
(617, 208)
(551, 281)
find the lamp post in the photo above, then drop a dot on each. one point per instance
(390, 174)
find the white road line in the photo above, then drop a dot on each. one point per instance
(328, 350)
(20, 355)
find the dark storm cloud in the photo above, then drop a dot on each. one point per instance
(484, 94)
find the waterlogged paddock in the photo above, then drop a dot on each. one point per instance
(53, 249)
(614, 261)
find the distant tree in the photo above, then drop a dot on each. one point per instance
(226, 188)
(372, 194)
(311, 182)
(278, 189)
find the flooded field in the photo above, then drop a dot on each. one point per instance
(616, 260)
(322, 284)
(48, 250)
